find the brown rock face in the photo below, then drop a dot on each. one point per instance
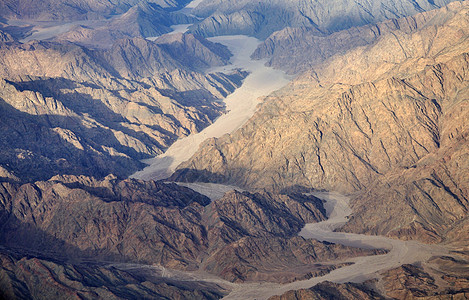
(240, 237)
(136, 221)
(297, 50)
(413, 282)
(407, 281)
(387, 123)
(69, 110)
(253, 238)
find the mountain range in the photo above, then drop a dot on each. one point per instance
(376, 109)
(261, 19)
(387, 126)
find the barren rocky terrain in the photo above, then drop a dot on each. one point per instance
(261, 19)
(99, 112)
(240, 237)
(388, 126)
(376, 110)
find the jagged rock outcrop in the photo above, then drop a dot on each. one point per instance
(105, 220)
(134, 58)
(385, 119)
(194, 51)
(435, 281)
(147, 20)
(239, 237)
(104, 110)
(255, 238)
(263, 18)
(329, 290)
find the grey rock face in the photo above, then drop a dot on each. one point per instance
(142, 20)
(75, 9)
(298, 50)
(263, 18)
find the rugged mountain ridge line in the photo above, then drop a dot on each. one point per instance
(441, 278)
(261, 19)
(36, 278)
(105, 109)
(297, 50)
(58, 10)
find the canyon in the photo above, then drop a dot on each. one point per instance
(238, 150)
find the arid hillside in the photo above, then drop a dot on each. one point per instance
(388, 125)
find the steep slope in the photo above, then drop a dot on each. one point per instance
(124, 60)
(195, 51)
(328, 290)
(145, 19)
(261, 19)
(297, 50)
(142, 20)
(104, 110)
(5, 37)
(443, 278)
(363, 122)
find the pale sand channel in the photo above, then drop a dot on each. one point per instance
(240, 105)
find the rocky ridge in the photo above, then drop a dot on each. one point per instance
(36, 278)
(105, 109)
(75, 9)
(261, 19)
(431, 281)
(382, 125)
(297, 50)
(142, 20)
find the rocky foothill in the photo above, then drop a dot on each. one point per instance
(82, 220)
